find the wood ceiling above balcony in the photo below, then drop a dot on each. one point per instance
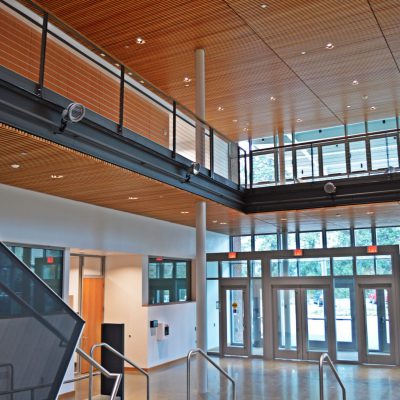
(89, 180)
(254, 53)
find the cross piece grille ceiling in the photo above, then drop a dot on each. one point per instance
(254, 53)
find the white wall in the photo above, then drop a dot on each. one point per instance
(123, 303)
(181, 319)
(35, 218)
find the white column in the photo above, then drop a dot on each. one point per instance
(200, 103)
(201, 292)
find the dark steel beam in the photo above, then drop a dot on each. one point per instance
(350, 191)
(99, 137)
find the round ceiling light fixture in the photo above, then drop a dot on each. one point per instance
(140, 40)
(329, 46)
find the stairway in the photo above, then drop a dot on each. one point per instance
(38, 333)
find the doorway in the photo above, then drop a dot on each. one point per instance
(302, 327)
(87, 299)
(377, 334)
(235, 318)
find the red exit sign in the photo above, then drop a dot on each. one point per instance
(298, 252)
(232, 255)
(372, 249)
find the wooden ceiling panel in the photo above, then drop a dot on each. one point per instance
(92, 181)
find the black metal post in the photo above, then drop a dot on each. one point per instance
(121, 99)
(251, 163)
(245, 168)
(211, 152)
(238, 166)
(174, 129)
(43, 47)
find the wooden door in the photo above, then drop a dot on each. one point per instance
(92, 313)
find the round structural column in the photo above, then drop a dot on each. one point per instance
(200, 103)
(201, 293)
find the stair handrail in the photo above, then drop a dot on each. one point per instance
(325, 357)
(118, 354)
(212, 362)
(93, 363)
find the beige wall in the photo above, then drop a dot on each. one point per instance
(123, 303)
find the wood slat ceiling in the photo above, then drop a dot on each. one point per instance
(254, 53)
(92, 181)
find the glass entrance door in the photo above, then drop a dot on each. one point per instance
(235, 327)
(377, 337)
(302, 328)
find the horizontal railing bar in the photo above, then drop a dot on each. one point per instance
(81, 378)
(316, 143)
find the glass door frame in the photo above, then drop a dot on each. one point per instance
(234, 284)
(364, 355)
(269, 282)
(302, 352)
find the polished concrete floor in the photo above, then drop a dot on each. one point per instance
(267, 380)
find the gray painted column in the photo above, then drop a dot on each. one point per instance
(281, 152)
(200, 104)
(201, 292)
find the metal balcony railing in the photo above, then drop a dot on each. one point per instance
(338, 158)
(40, 47)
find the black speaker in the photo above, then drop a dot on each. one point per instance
(112, 334)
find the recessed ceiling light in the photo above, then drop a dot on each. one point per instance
(140, 40)
(329, 46)
(348, 106)
(127, 46)
(373, 108)
(303, 53)
(223, 223)
(272, 98)
(234, 120)
(184, 212)
(141, 82)
(338, 215)
(102, 54)
(355, 82)
(130, 73)
(283, 219)
(15, 166)
(133, 198)
(56, 176)
(299, 120)
(186, 79)
(245, 129)
(215, 221)
(370, 212)
(365, 97)
(264, 6)
(220, 108)
(187, 85)
(116, 64)
(23, 153)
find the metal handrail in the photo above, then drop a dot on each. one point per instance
(93, 363)
(81, 378)
(118, 354)
(211, 361)
(325, 357)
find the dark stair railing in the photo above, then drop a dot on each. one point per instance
(38, 333)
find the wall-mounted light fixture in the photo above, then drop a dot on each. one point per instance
(75, 112)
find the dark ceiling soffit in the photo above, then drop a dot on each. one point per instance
(362, 190)
(98, 137)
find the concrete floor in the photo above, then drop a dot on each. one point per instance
(267, 380)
